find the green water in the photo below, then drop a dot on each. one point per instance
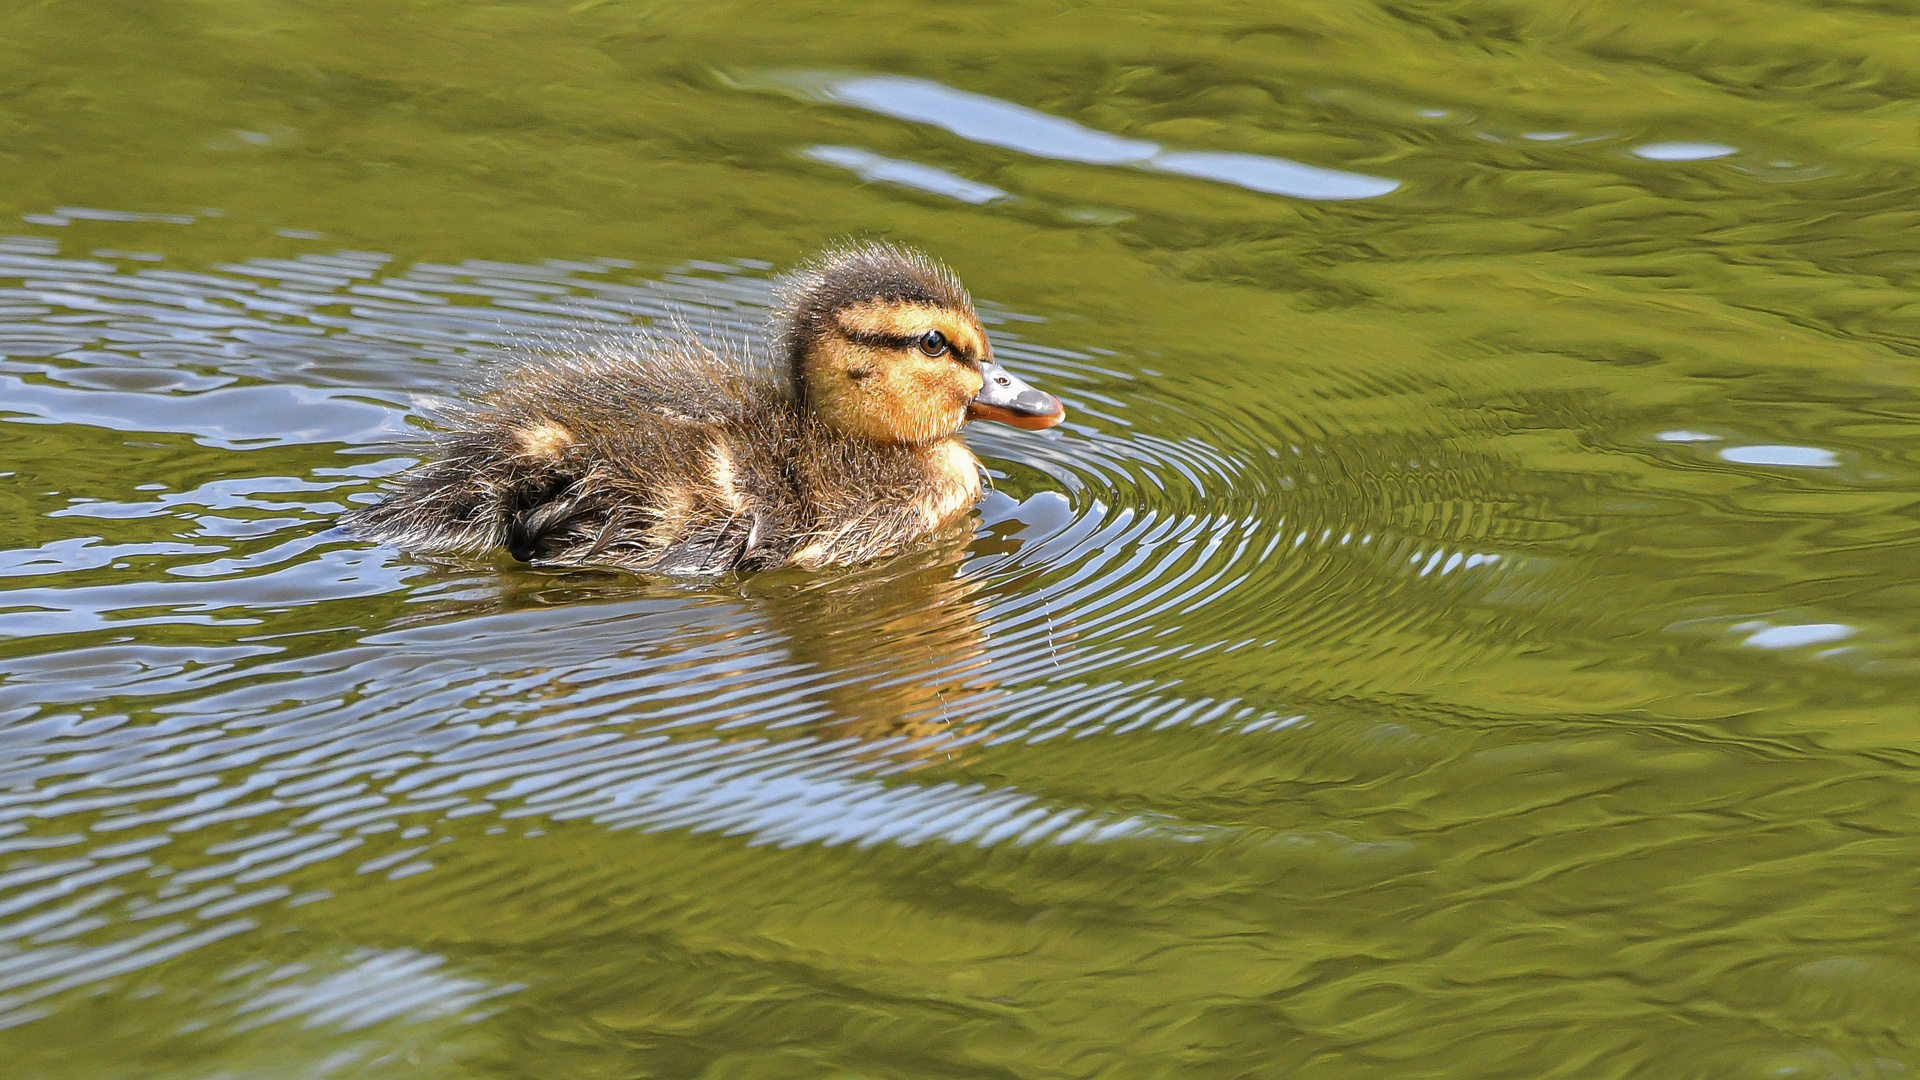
(1467, 626)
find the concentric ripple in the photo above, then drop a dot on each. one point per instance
(196, 668)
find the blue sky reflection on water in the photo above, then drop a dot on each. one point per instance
(993, 122)
(871, 166)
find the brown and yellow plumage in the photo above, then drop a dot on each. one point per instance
(681, 460)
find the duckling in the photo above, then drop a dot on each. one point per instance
(679, 459)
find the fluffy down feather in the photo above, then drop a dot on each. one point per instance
(677, 459)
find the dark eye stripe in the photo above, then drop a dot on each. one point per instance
(898, 341)
(892, 341)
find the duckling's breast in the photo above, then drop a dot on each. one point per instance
(953, 482)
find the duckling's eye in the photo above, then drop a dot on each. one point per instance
(933, 343)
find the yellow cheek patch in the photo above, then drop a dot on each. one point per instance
(943, 384)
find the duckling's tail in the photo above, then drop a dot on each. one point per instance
(471, 498)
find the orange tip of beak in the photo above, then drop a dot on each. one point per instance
(1031, 418)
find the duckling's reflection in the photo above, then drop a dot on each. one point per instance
(893, 654)
(900, 648)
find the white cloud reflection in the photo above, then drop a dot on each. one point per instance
(873, 167)
(1683, 151)
(993, 122)
(1796, 457)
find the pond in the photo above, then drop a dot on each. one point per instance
(1466, 625)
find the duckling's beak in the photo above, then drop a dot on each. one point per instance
(1005, 398)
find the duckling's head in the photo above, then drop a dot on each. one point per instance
(884, 346)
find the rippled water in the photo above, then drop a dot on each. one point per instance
(1466, 626)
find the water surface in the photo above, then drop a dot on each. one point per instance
(1466, 627)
